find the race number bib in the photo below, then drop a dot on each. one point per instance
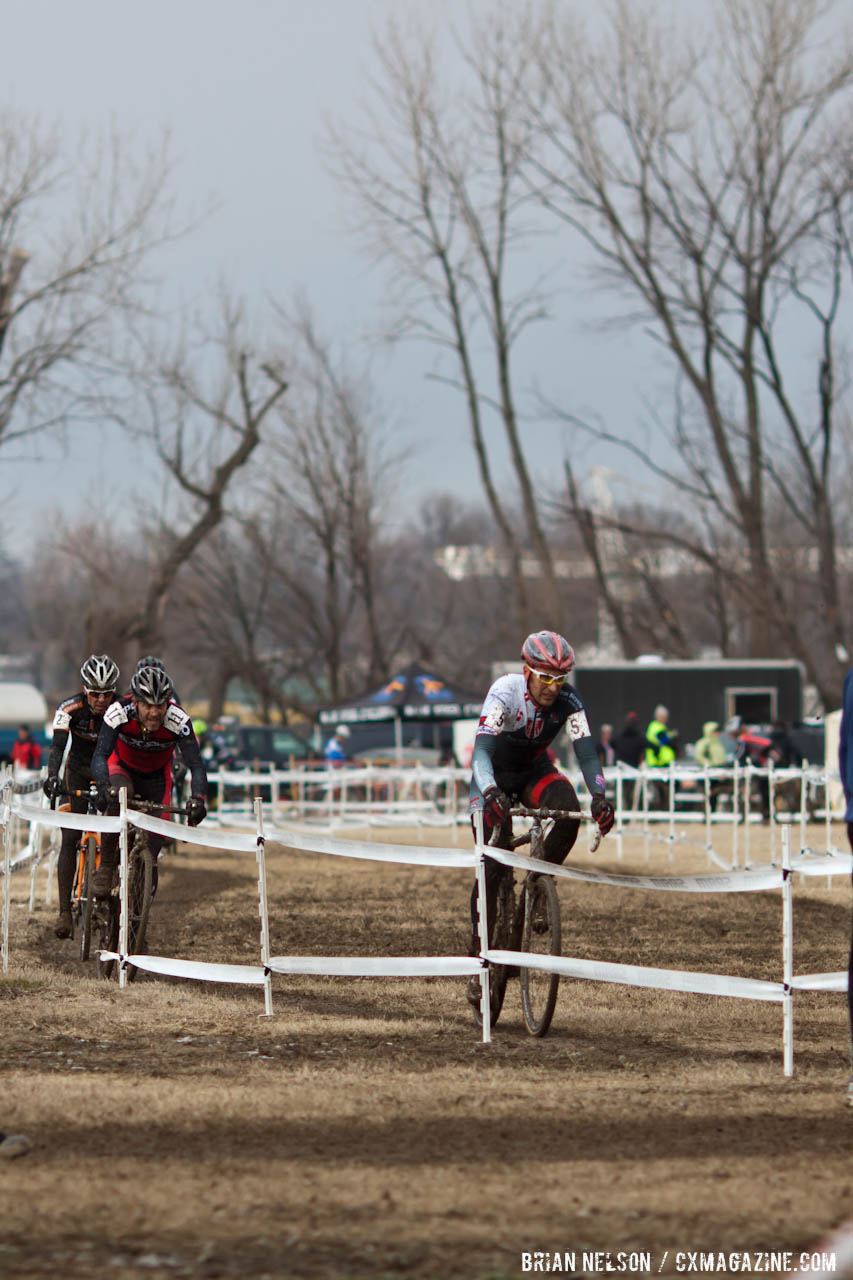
(115, 715)
(493, 721)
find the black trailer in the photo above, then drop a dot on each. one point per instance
(758, 690)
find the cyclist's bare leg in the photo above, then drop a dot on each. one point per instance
(554, 791)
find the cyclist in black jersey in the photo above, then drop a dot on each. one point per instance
(76, 725)
(521, 717)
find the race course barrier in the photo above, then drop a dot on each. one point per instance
(757, 879)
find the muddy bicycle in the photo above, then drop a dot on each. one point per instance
(88, 858)
(141, 887)
(528, 921)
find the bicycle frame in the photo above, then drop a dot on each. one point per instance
(88, 850)
(529, 922)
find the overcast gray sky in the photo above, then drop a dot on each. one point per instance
(243, 88)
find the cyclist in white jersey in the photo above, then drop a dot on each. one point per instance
(521, 717)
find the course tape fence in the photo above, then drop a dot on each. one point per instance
(766, 878)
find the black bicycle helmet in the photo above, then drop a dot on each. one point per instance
(151, 684)
(99, 673)
(150, 661)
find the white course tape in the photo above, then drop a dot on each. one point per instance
(634, 975)
(734, 882)
(192, 835)
(249, 974)
(101, 823)
(64, 818)
(829, 1258)
(823, 865)
(311, 842)
(820, 982)
(377, 966)
(23, 859)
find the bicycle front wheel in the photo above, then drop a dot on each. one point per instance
(501, 940)
(541, 935)
(88, 855)
(140, 876)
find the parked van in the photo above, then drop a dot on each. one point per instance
(273, 746)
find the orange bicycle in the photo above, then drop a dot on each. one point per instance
(88, 858)
(99, 918)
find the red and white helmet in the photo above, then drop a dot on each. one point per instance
(547, 651)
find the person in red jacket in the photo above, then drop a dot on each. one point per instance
(26, 752)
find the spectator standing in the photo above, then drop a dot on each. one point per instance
(26, 752)
(605, 746)
(752, 747)
(336, 750)
(630, 747)
(710, 751)
(660, 750)
(629, 744)
(783, 751)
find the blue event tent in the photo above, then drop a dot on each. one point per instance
(414, 693)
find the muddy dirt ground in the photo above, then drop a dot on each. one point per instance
(364, 1130)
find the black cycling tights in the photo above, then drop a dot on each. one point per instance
(559, 794)
(66, 865)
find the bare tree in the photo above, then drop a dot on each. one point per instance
(226, 614)
(77, 228)
(79, 605)
(437, 175)
(713, 186)
(332, 473)
(206, 405)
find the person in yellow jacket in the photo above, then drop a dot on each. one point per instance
(660, 750)
(711, 752)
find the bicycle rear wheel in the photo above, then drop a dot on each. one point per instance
(140, 874)
(88, 854)
(541, 935)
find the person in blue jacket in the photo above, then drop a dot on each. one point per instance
(336, 751)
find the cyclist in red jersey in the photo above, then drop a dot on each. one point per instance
(134, 753)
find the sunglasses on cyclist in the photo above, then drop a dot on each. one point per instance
(99, 693)
(546, 677)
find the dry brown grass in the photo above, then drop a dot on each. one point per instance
(365, 1132)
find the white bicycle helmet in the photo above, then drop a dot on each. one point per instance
(151, 684)
(99, 673)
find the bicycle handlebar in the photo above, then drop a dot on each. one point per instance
(155, 806)
(519, 811)
(145, 806)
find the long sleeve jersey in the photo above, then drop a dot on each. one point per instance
(514, 731)
(75, 719)
(125, 744)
